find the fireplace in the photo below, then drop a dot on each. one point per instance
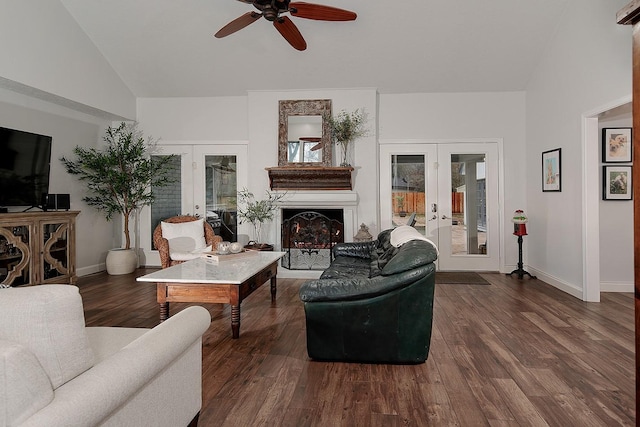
(341, 201)
(308, 237)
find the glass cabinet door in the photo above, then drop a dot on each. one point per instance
(14, 255)
(55, 244)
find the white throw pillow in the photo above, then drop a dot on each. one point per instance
(49, 321)
(184, 237)
(405, 233)
(24, 386)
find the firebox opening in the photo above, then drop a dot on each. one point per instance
(308, 237)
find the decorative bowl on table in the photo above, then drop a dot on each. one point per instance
(224, 248)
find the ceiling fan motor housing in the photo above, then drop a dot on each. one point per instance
(271, 9)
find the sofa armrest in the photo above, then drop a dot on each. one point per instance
(93, 396)
(354, 249)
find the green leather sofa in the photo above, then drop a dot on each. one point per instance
(374, 304)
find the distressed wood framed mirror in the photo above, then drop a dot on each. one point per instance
(304, 134)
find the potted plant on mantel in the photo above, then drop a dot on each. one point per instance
(345, 129)
(119, 179)
(257, 212)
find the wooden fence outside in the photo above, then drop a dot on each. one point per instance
(414, 202)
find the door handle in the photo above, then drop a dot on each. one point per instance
(433, 217)
(445, 217)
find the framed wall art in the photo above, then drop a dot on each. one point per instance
(617, 183)
(616, 145)
(551, 173)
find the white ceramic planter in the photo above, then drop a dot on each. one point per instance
(121, 261)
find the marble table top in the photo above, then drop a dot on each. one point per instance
(201, 270)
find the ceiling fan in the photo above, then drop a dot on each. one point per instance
(272, 10)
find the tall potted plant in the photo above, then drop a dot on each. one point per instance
(345, 129)
(119, 180)
(257, 212)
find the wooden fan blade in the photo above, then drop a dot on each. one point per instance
(238, 24)
(317, 147)
(290, 32)
(310, 138)
(320, 12)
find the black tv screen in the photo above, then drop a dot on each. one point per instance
(24, 167)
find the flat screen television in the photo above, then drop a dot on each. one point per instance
(24, 167)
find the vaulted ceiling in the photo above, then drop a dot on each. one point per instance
(166, 48)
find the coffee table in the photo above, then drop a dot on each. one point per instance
(225, 281)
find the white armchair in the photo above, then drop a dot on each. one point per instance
(56, 372)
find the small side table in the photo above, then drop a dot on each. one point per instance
(520, 230)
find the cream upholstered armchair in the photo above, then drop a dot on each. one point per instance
(184, 237)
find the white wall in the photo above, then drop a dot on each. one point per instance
(254, 119)
(45, 52)
(94, 236)
(587, 65)
(194, 119)
(462, 116)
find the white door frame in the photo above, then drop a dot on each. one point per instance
(591, 201)
(192, 180)
(386, 147)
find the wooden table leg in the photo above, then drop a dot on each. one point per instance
(273, 288)
(164, 311)
(235, 321)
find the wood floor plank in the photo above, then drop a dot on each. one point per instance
(511, 353)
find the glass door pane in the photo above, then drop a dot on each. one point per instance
(219, 172)
(408, 185)
(408, 190)
(221, 195)
(168, 199)
(468, 204)
(468, 210)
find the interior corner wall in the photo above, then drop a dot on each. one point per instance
(94, 235)
(44, 49)
(588, 64)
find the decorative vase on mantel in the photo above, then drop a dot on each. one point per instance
(345, 153)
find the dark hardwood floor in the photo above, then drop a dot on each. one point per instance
(514, 353)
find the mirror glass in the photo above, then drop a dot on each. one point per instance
(304, 143)
(304, 133)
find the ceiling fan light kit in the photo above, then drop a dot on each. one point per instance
(272, 10)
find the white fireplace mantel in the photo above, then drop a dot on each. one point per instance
(319, 199)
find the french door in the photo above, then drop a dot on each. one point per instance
(452, 188)
(206, 180)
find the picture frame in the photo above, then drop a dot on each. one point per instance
(616, 145)
(551, 170)
(617, 182)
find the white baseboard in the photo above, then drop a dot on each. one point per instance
(85, 271)
(551, 280)
(616, 287)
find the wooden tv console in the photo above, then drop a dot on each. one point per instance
(37, 248)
